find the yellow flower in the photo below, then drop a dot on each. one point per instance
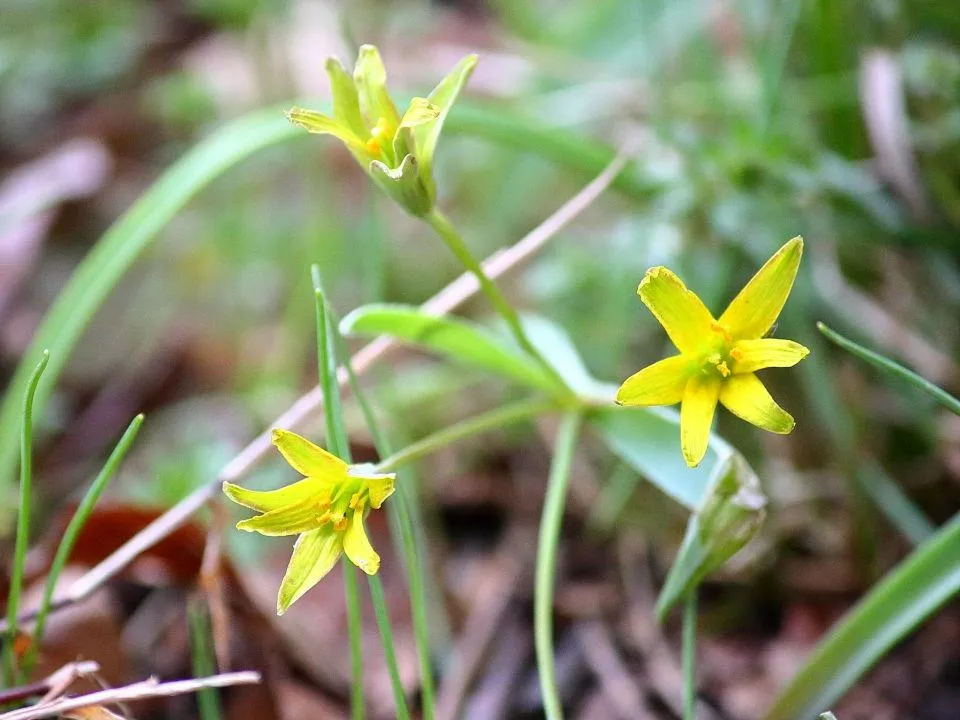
(396, 151)
(718, 358)
(326, 509)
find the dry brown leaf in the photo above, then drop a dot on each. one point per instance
(94, 712)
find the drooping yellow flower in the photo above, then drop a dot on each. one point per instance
(326, 509)
(718, 357)
(396, 151)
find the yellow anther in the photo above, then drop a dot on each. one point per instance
(722, 367)
(379, 132)
(356, 501)
(718, 328)
(736, 354)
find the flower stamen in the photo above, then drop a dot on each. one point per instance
(378, 133)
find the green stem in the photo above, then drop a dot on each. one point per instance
(386, 636)
(689, 657)
(355, 632)
(10, 672)
(204, 662)
(550, 523)
(72, 532)
(448, 233)
(474, 426)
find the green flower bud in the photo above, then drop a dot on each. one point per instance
(730, 516)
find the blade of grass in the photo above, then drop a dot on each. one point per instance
(550, 522)
(908, 594)
(204, 664)
(340, 446)
(72, 532)
(10, 670)
(895, 369)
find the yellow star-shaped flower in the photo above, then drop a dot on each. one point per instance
(718, 358)
(326, 509)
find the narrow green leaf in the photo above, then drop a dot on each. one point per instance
(10, 670)
(908, 594)
(648, 439)
(452, 338)
(204, 661)
(72, 532)
(895, 369)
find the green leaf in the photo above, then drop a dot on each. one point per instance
(648, 439)
(451, 338)
(555, 345)
(911, 592)
(889, 366)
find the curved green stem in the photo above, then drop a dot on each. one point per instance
(550, 523)
(474, 426)
(10, 672)
(442, 225)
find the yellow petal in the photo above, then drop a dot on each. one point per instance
(320, 124)
(659, 384)
(314, 555)
(346, 102)
(358, 547)
(747, 398)
(379, 487)
(370, 77)
(268, 500)
(696, 416)
(306, 458)
(753, 312)
(420, 111)
(682, 314)
(289, 520)
(752, 355)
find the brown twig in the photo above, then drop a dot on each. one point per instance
(143, 690)
(452, 296)
(51, 686)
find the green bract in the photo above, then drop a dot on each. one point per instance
(730, 516)
(396, 151)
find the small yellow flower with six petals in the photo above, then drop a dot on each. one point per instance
(718, 357)
(326, 509)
